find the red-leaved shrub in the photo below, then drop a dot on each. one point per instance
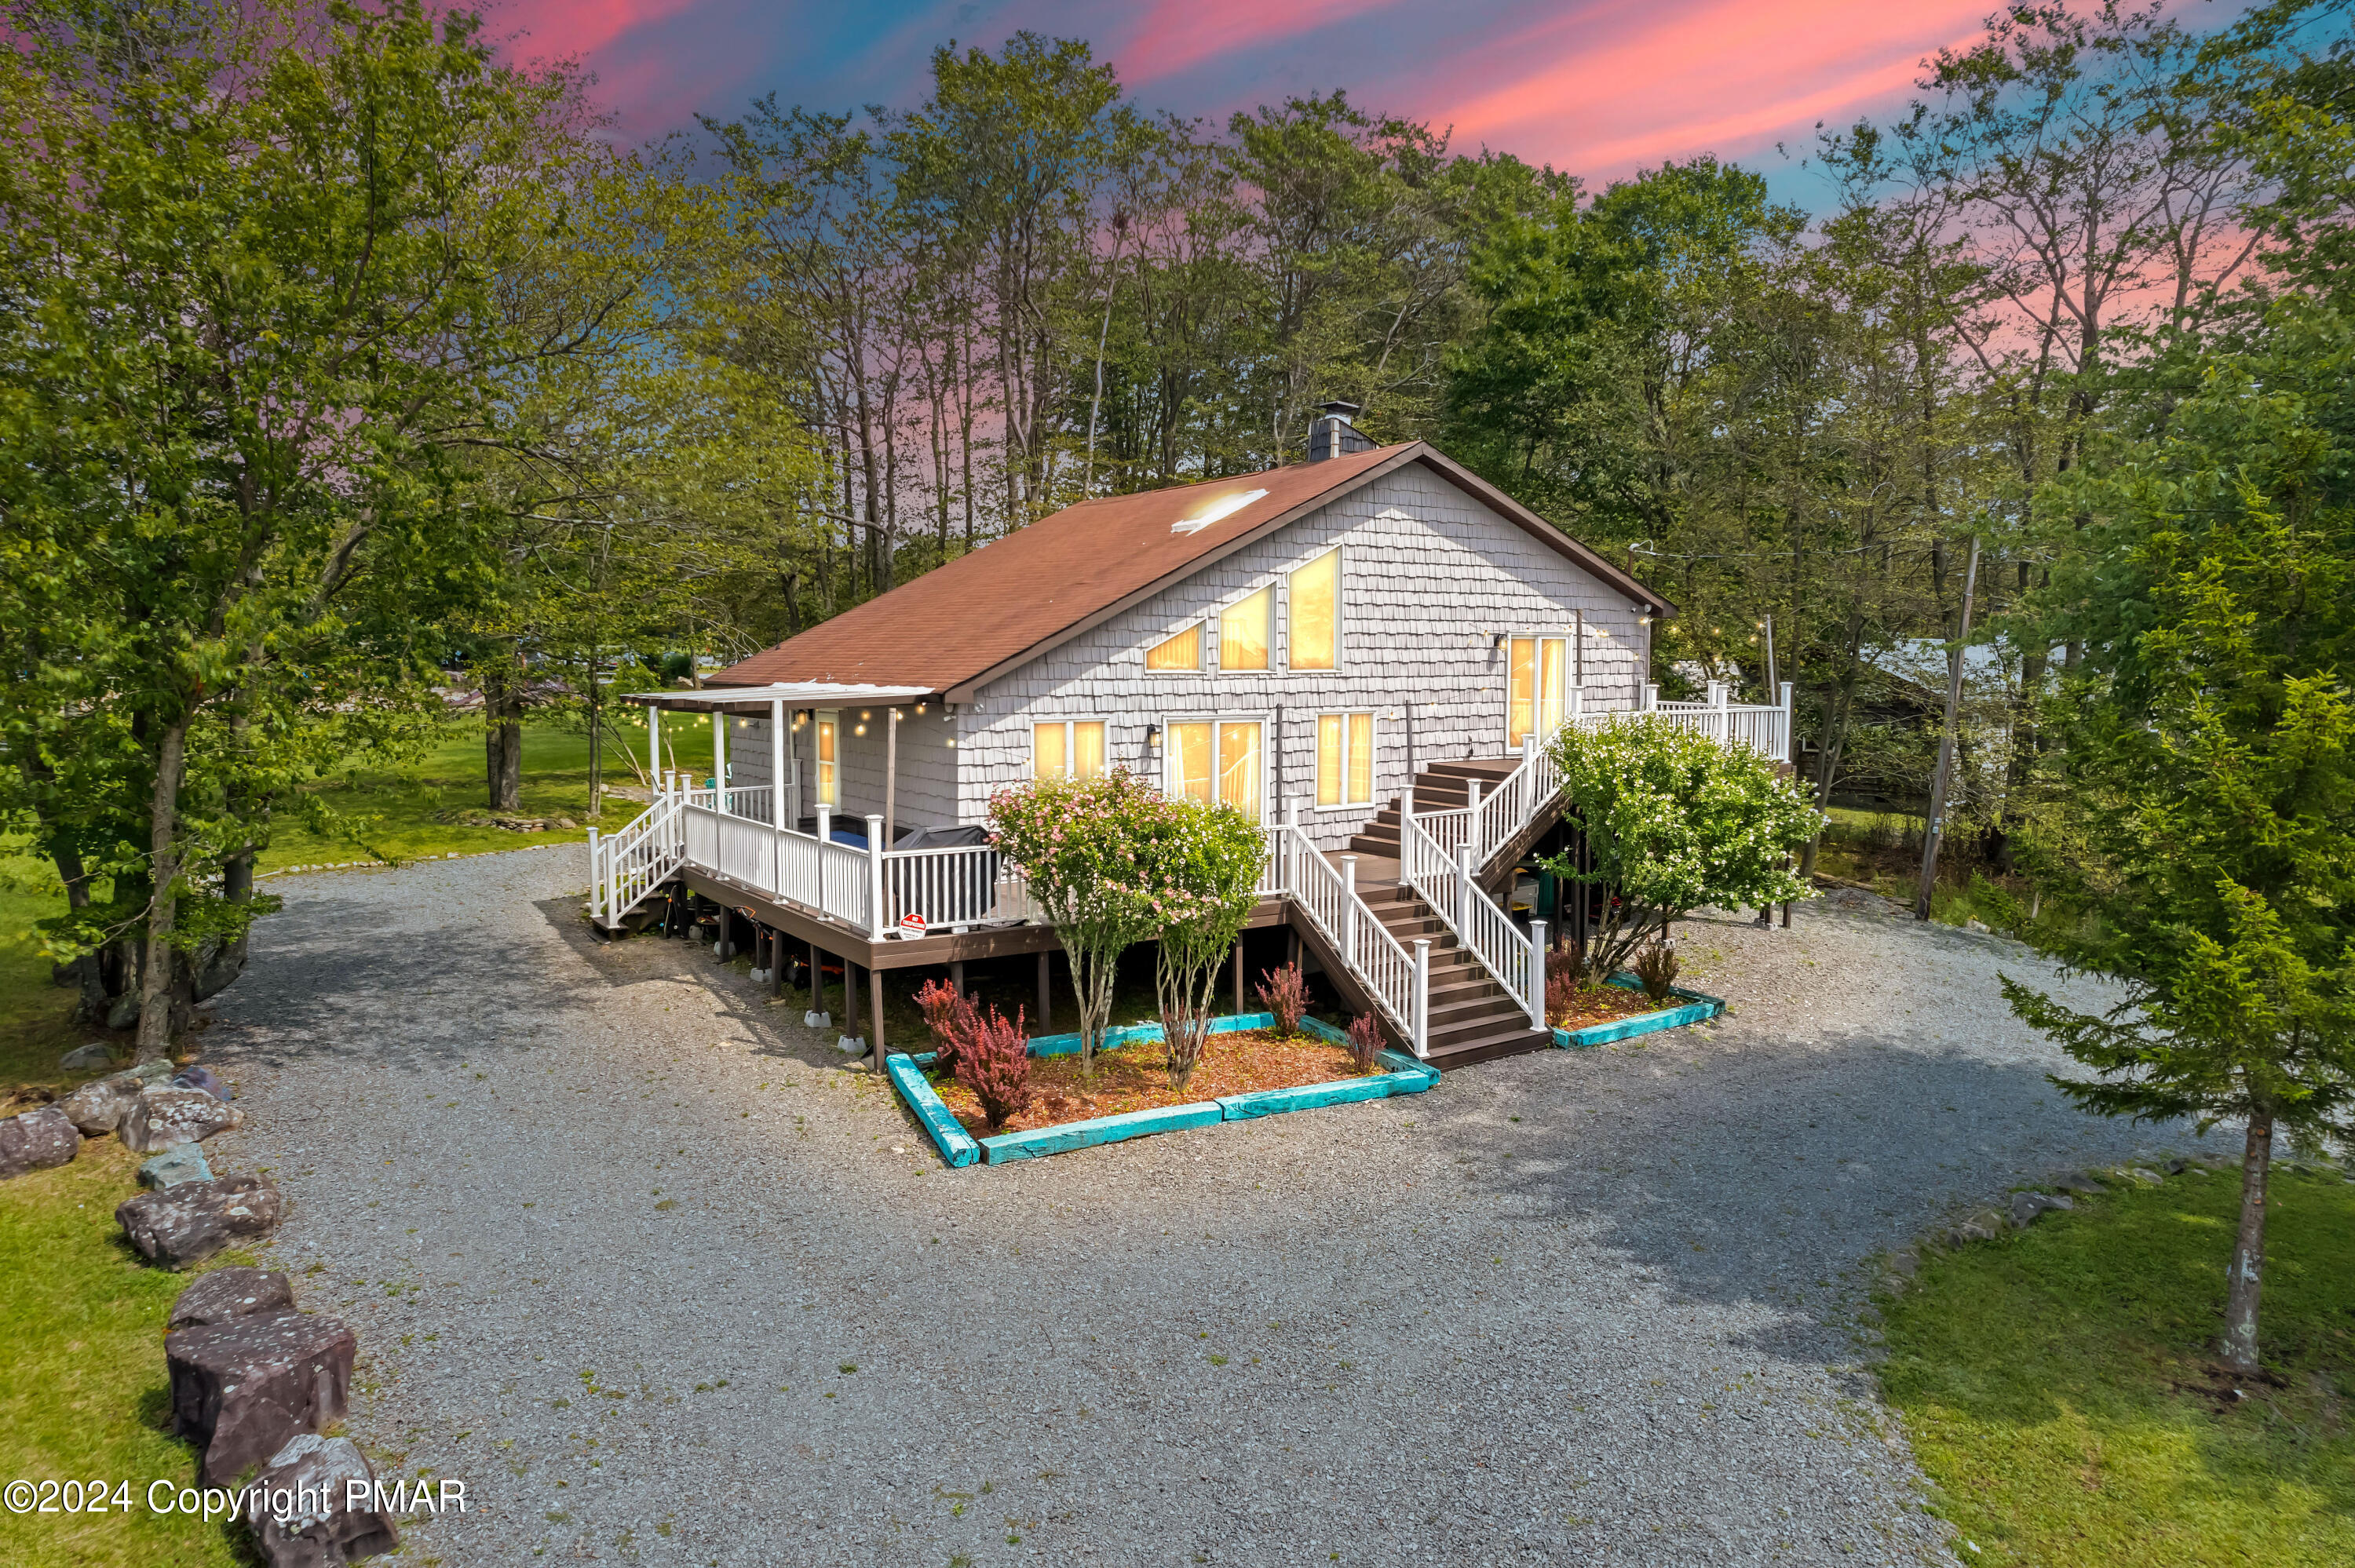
(1365, 1040)
(992, 1060)
(950, 1017)
(1284, 993)
(1564, 988)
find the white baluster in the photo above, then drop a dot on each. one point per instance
(1537, 974)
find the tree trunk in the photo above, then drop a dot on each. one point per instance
(2248, 1267)
(164, 845)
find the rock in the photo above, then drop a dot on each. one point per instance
(189, 1222)
(1976, 924)
(37, 1141)
(153, 1070)
(198, 1078)
(2027, 1208)
(87, 1058)
(566, 823)
(162, 1118)
(307, 1520)
(2175, 1167)
(173, 1166)
(1985, 1225)
(240, 1389)
(2083, 1182)
(99, 1106)
(2147, 1178)
(227, 1293)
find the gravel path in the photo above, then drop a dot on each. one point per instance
(615, 1234)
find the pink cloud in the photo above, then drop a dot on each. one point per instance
(1177, 33)
(1613, 88)
(577, 28)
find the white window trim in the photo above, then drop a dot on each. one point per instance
(1206, 630)
(1214, 640)
(1340, 611)
(1569, 637)
(1070, 741)
(1316, 752)
(817, 786)
(1270, 809)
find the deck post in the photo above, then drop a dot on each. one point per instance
(1463, 892)
(878, 916)
(1651, 697)
(777, 764)
(875, 1006)
(1239, 975)
(957, 976)
(1292, 944)
(1419, 1009)
(817, 982)
(1350, 909)
(654, 747)
(720, 759)
(1535, 1001)
(1285, 860)
(600, 901)
(777, 962)
(849, 997)
(1046, 992)
(891, 776)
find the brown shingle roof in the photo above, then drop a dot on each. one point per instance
(969, 621)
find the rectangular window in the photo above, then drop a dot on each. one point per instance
(1189, 761)
(829, 772)
(1181, 652)
(1239, 768)
(1345, 759)
(1244, 631)
(1072, 748)
(1535, 689)
(1316, 598)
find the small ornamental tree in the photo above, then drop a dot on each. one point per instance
(1674, 821)
(1082, 845)
(1202, 871)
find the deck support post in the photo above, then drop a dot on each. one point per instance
(1046, 992)
(890, 776)
(776, 963)
(654, 747)
(1535, 1000)
(1292, 945)
(849, 997)
(817, 982)
(875, 1006)
(957, 976)
(720, 759)
(1239, 975)
(777, 764)
(878, 912)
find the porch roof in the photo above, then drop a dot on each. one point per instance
(793, 693)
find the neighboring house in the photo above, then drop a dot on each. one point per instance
(1304, 644)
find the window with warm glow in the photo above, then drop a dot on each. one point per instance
(1316, 641)
(1345, 759)
(1188, 747)
(829, 791)
(1183, 652)
(1071, 748)
(1246, 631)
(1535, 688)
(1238, 768)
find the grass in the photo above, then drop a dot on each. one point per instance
(2061, 1396)
(83, 1389)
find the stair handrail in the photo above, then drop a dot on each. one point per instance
(1447, 883)
(626, 865)
(1400, 983)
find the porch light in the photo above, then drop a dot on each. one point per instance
(952, 743)
(864, 715)
(919, 709)
(859, 729)
(1152, 737)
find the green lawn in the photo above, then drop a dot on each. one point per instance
(83, 1390)
(2060, 1394)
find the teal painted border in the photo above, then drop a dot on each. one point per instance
(1700, 1006)
(948, 1135)
(1404, 1075)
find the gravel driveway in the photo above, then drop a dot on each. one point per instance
(635, 1258)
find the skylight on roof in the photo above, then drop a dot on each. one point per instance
(1217, 508)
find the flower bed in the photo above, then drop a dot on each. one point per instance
(1690, 1007)
(1245, 1073)
(1602, 1004)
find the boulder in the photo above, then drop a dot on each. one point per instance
(187, 1223)
(153, 1070)
(164, 1117)
(37, 1141)
(306, 1521)
(2027, 1208)
(1985, 1225)
(240, 1389)
(173, 1166)
(98, 1106)
(87, 1058)
(2083, 1184)
(199, 1078)
(227, 1293)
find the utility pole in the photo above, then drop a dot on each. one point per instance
(1938, 784)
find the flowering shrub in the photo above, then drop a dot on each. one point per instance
(1202, 864)
(1365, 1040)
(1284, 993)
(950, 1017)
(992, 1060)
(1080, 845)
(1674, 821)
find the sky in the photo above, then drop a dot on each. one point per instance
(1600, 88)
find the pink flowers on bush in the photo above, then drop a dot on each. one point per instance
(992, 1060)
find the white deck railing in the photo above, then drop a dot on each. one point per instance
(1450, 885)
(1399, 982)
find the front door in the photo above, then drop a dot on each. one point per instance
(1222, 760)
(1535, 689)
(829, 791)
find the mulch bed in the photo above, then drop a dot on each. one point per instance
(1604, 1004)
(1133, 1078)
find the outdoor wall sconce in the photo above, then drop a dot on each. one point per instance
(859, 729)
(919, 709)
(864, 715)
(1153, 737)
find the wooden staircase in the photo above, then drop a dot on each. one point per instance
(1473, 1019)
(1441, 787)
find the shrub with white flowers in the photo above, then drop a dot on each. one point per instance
(1675, 822)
